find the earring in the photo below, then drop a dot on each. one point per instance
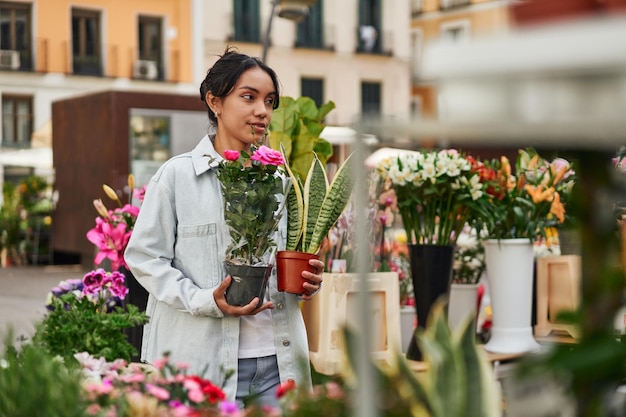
(216, 114)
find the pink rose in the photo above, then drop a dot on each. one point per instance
(268, 156)
(231, 155)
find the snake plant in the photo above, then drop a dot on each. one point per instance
(314, 207)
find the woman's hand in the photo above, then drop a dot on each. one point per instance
(248, 310)
(314, 279)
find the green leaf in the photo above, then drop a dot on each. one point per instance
(335, 202)
(315, 186)
(295, 208)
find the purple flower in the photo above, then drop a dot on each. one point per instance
(94, 281)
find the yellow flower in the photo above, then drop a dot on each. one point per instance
(111, 193)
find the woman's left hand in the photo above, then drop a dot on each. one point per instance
(314, 279)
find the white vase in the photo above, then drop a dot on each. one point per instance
(509, 264)
(407, 325)
(462, 303)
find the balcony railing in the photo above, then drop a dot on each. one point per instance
(416, 7)
(119, 61)
(449, 4)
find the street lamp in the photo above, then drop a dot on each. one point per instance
(294, 10)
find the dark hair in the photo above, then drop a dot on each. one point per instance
(224, 74)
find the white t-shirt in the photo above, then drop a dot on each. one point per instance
(256, 334)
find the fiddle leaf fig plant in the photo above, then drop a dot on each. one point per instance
(314, 207)
(296, 126)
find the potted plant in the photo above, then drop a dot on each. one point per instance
(312, 210)
(467, 270)
(252, 185)
(87, 316)
(438, 192)
(523, 205)
(296, 126)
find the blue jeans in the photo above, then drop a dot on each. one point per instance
(257, 382)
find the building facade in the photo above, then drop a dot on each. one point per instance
(439, 21)
(355, 53)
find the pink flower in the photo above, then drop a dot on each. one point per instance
(228, 408)
(268, 156)
(158, 392)
(111, 242)
(140, 193)
(231, 155)
(130, 209)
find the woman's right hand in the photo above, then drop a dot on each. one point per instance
(248, 310)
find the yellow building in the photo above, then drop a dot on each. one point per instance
(449, 21)
(54, 49)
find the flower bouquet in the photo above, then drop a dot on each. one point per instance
(114, 227)
(527, 203)
(252, 186)
(87, 315)
(438, 192)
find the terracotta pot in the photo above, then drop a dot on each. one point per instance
(289, 268)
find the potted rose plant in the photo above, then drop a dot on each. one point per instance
(252, 185)
(312, 210)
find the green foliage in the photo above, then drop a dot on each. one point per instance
(35, 384)
(78, 324)
(250, 189)
(458, 380)
(313, 208)
(296, 126)
(9, 217)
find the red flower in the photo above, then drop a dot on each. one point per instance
(286, 387)
(231, 155)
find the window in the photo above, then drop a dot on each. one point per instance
(17, 121)
(370, 98)
(15, 33)
(86, 56)
(311, 30)
(314, 88)
(416, 48)
(246, 15)
(369, 34)
(149, 144)
(456, 31)
(150, 38)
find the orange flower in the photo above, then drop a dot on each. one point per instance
(533, 161)
(538, 194)
(505, 166)
(559, 175)
(557, 208)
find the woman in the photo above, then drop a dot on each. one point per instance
(177, 252)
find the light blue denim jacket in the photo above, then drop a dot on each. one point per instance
(176, 252)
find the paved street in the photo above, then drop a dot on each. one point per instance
(23, 293)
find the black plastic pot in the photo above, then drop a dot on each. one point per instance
(247, 282)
